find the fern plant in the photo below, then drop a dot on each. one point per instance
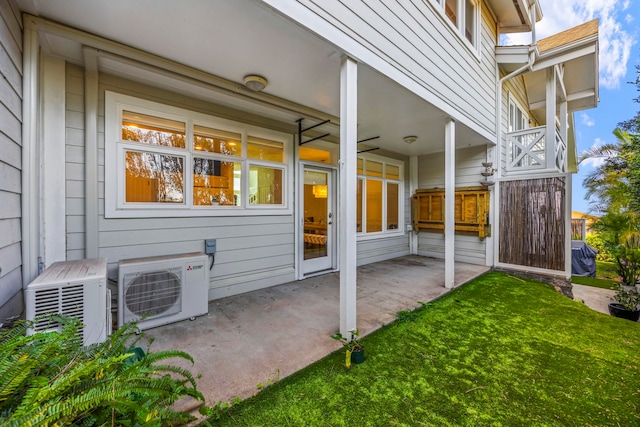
(50, 378)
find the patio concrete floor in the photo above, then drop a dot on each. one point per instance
(265, 335)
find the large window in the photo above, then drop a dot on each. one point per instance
(379, 194)
(166, 161)
(464, 16)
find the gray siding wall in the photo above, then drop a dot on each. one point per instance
(468, 248)
(11, 302)
(253, 251)
(415, 39)
(74, 162)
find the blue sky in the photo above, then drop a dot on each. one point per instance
(619, 36)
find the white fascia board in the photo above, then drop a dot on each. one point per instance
(515, 55)
(563, 54)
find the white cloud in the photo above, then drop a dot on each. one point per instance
(615, 41)
(629, 18)
(586, 120)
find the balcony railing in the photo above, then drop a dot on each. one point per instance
(528, 150)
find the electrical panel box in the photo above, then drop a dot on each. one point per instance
(210, 246)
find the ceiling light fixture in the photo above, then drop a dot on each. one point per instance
(410, 139)
(255, 82)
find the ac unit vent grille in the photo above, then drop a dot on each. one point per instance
(67, 300)
(153, 294)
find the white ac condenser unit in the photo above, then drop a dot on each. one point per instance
(76, 289)
(159, 290)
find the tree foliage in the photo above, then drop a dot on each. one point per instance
(50, 378)
(614, 190)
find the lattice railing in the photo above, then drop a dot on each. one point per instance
(527, 151)
(561, 153)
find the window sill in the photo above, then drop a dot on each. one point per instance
(381, 235)
(217, 211)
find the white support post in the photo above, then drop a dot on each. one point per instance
(550, 138)
(564, 128)
(413, 186)
(91, 151)
(449, 202)
(348, 181)
(30, 158)
(568, 188)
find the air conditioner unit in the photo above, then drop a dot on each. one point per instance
(160, 290)
(76, 289)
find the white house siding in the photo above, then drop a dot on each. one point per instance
(468, 248)
(253, 251)
(411, 39)
(11, 302)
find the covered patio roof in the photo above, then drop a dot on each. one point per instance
(206, 49)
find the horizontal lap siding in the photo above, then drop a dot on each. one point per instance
(74, 162)
(11, 303)
(414, 38)
(468, 248)
(252, 251)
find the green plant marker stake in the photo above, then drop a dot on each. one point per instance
(347, 360)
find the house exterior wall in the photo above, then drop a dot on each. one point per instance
(74, 163)
(412, 43)
(253, 251)
(468, 248)
(11, 301)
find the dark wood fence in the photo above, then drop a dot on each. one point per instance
(532, 223)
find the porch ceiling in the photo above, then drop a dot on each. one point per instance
(230, 39)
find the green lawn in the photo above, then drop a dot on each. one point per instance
(606, 276)
(498, 351)
(606, 270)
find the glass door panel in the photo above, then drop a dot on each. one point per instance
(317, 220)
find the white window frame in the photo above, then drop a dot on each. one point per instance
(460, 27)
(364, 235)
(114, 179)
(513, 102)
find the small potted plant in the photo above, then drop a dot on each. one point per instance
(625, 304)
(215, 200)
(353, 346)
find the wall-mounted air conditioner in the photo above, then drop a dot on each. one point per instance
(76, 289)
(160, 290)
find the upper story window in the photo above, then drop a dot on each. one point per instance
(518, 119)
(379, 207)
(167, 161)
(464, 15)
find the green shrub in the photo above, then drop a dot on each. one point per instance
(50, 378)
(596, 242)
